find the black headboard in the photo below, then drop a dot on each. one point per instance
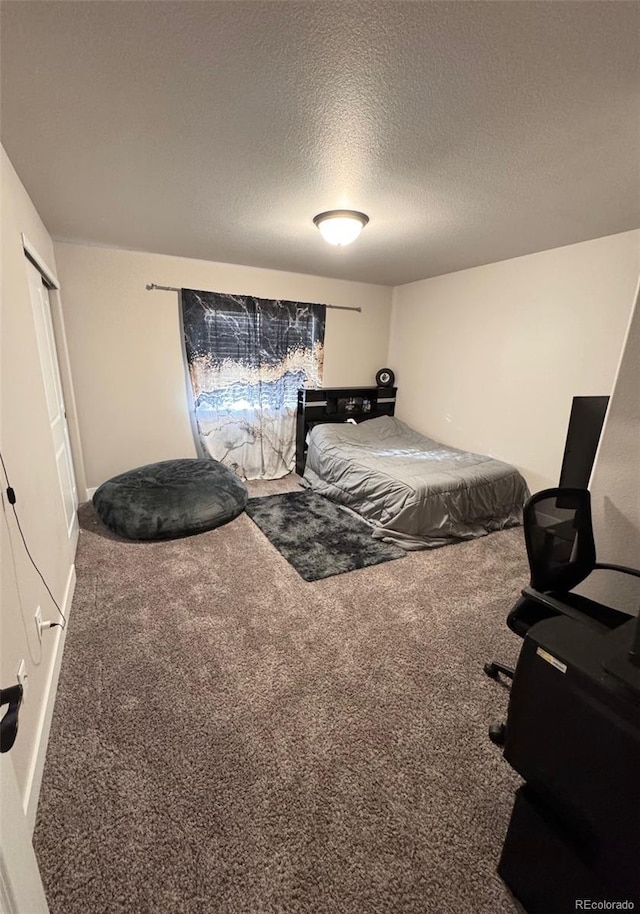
(337, 404)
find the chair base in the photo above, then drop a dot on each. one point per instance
(498, 731)
(498, 734)
(494, 669)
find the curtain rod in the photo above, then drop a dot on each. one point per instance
(152, 285)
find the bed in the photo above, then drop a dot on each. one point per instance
(414, 491)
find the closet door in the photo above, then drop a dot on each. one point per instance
(53, 392)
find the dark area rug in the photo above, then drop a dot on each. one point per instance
(320, 539)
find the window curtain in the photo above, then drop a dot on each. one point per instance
(247, 357)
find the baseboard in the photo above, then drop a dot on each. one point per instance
(34, 776)
(91, 492)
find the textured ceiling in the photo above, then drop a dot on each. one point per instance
(469, 132)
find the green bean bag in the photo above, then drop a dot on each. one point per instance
(170, 499)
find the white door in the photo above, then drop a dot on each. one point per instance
(21, 890)
(55, 399)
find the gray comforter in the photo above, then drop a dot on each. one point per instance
(414, 491)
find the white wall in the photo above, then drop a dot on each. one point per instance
(126, 348)
(488, 359)
(615, 482)
(27, 449)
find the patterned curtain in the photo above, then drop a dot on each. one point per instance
(247, 357)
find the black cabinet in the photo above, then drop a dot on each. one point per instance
(573, 734)
(337, 404)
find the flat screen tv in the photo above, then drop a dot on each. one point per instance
(583, 435)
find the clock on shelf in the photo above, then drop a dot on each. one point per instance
(385, 378)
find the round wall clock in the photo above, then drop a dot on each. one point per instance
(385, 378)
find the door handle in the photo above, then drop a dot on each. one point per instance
(9, 723)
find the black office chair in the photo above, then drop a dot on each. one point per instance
(558, 534)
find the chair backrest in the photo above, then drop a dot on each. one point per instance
(559, 538)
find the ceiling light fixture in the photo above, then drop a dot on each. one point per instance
(340, 226)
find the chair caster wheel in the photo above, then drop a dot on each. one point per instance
(497, 734)
(491, 670)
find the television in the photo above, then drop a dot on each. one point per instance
(585, 425)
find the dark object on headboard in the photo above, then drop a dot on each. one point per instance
(337, 404)
(583, 435)
(385, 378)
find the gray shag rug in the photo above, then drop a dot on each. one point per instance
(317, 537)
(228, 739)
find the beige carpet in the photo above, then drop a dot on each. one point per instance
(228, 738)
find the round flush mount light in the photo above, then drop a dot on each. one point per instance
(340, 226)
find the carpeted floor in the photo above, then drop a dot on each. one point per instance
(229, 739)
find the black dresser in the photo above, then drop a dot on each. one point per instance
(573, 734)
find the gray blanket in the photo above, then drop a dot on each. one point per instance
(414, 491)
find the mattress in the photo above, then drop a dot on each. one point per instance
(413, 490)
